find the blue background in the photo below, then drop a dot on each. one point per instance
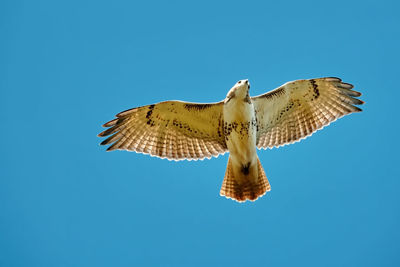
(69, 66)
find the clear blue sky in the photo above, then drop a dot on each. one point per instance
(69, 66)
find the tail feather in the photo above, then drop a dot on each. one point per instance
(250, 188)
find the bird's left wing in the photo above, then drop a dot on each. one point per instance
(172, 129)
(297, 109)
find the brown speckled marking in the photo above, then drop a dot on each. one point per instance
(151, 123)
(247, 98)
(285, 109)
(151, 107)
(277, 92)
(184, 126)
(197, 106)
(244, 128)
(315, 88)
(297, 102)
(227, 130)
(245, 168)
(148, 116)
(229, 127)
(220, 127)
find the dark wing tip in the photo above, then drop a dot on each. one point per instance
(112, 147)
(110, 123)
(345, 85)
(356, 101)
(333, 79)
(108, 131)
(105, 142)
(125, 112)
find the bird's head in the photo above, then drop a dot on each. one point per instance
(239, 91)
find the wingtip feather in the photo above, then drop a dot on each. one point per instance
(110, 123)
(104, 142)
(356, 101)
(333, 79)
(345, 85)
(126, 112)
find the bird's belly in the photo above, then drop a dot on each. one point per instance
(240, 133)
(242, 148)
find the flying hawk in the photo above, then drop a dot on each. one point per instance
(239, 124)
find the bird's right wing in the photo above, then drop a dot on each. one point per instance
(172, 129)
(297, 109)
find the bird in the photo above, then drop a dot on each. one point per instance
(239, 124)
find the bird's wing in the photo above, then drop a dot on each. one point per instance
(172, 129)
(297, 109)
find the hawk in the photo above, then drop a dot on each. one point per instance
(239, 124)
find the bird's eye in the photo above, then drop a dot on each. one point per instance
(239, 82)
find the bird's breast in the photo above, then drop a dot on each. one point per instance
(240, 130)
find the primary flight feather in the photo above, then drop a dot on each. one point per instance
(239, 124)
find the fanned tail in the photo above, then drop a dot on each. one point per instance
(248, 185)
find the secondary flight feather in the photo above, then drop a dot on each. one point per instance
(239, 125)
